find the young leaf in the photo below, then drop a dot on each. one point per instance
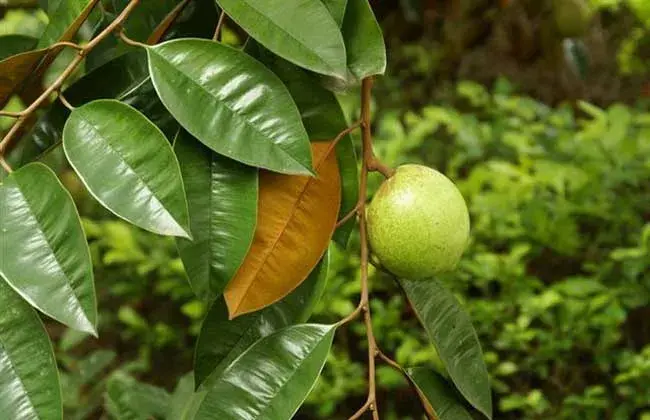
(435, 391)
(65, 19)
(337, 9)
(451, 331)
(128, 165)
(272, 378)
(222, 340)
(128, 399)
(301, 31)
(324, 119)
(45, 256)
(29, 380)
(231, 103)
(295, 221)
(363, 40)
(222, 199)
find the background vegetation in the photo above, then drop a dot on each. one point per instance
(552, 153)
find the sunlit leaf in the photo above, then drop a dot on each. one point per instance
(450, 330)
(295, 221)
(337, 9)
(128, 166)
(222, 199)
(231, 103)
(222, 340)
(301, 31)
(45, 256)
(364, 41)
(442, 398)
(29, 381)
(65, 19)
(272, 378)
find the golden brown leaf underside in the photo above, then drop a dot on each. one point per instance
(295, 221)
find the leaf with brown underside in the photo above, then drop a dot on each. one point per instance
(295, 221)
(15, 69)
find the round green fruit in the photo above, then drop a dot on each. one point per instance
(572, 17)
(418, 223)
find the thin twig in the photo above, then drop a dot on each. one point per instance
(66, 73)
(375, 165)
(166, 23)
(348, 216)
(5, 165)
(66, 44)
(10, 114)
(129, 41)
(65, 102)
(217, 30)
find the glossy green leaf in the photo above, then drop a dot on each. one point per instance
(364, 41)
(127, 165)
(324, 119)
(15, 44)
(439, 394)
(45, 256)
(130, 84)
(29, 380)
(301, 31)
(222, 340)
(231, 103)
(128, 399)
(336, 9)
(450, 330)
(222, 199)
(65, 19)
(272, 378)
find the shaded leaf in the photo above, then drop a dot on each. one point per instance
(295, 221)
(181, 398)
(301, 31)
(440, 395)
(128, 399)
(15, 44)
(29, 381)
(576, 56)
(65, 19)
(128, 166)
(45, 256)
(324, 119)
(231, 103)
(222, 199)
(336, 9)
(222, 340)
(450, 330)
(364, 42)
(272, 378)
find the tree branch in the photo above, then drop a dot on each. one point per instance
(217, 30)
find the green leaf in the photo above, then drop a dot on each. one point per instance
(196, 21)
(363, 40)
(576, 56)
(231, 103)
(222, 340)
(45, 254)
(301, 31)
(272, 378)
(130, 84)
(128, 166)
(65, 18)
(128, 399)
(222, 199)
(439, 394)
(450, 330)
(337, 9)
(181, 398)
(15, 44)
(324, 119)
(29, 380)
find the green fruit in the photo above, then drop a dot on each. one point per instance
(572, 17)
(418, 224)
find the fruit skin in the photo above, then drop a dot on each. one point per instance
(418, 223)
(572, 17)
